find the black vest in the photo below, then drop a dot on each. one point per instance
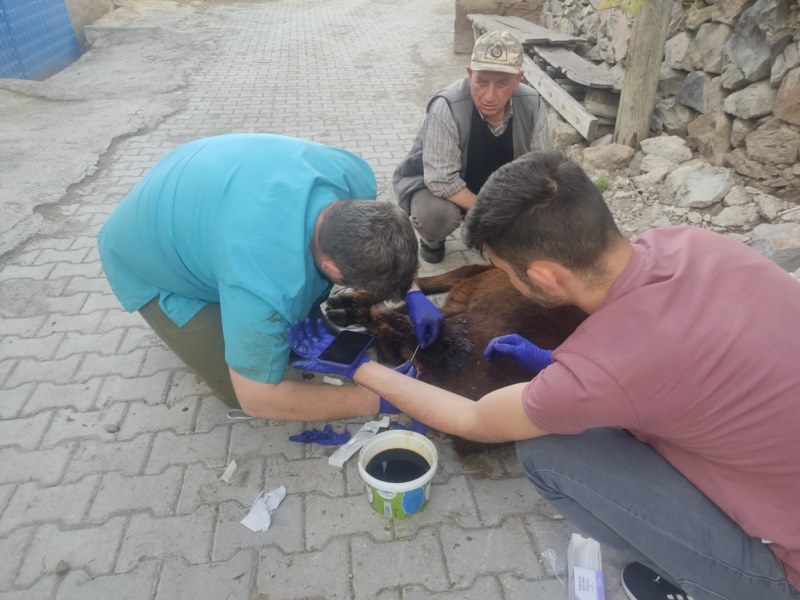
(486, 152)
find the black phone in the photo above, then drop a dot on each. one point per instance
(347, 347)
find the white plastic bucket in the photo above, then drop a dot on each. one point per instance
(398, 500)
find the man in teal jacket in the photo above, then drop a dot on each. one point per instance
(229, 239)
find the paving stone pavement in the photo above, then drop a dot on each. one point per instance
(111, 452)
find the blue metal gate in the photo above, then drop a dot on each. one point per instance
(36, 38)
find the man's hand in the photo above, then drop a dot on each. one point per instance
(309, 340)
(523, 352)
(427, 319)
(386, 407)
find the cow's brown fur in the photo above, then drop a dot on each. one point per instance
(481, 304)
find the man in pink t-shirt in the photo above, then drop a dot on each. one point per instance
(668, 424)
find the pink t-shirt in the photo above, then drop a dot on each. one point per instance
(696, 351)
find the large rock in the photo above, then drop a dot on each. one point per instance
(732, 78)
(680, 52)
(739, 130)
(739, 160)
(737, 217)
(781, 243)
(769, 206)
(760, 34)
(787, 101)
(562, 133)
(773, 143)
(670, 80)
(711, 134)
(611, 157)
(699, 185)
(752, 102)
(669, 146)
(700, 92)
(710, 39)
(672, 117)
(727, 11)
(698, 16)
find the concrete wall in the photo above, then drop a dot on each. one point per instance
(86, 12)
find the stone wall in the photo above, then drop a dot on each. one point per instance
(730, 79)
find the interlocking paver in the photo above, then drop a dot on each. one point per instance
(419, 561)
(185, 536)
(450, 502)
(328, 518)
(496, 499)
(79, 396)
(306, 475)
(11, 549)
(120, 494)
(139, 584)
(44, 588)
(76, 343)
(151, 389)
(202, 485)
(65, 504)
(171, 449)
(471, 551)
(43, 466)
(58, 371)
(13, 399)
(56, 322)
(92, 550)
(71, 424)
(25, 432)
(253, 438)
(102, 456)
(484, 588)
(143, 417)
(231, 580)
(22, 326)
(127, 365)
(321, 574)
(42, 348)
(285, 532)
(518, 588)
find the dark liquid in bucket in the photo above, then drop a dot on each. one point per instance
(397, 465)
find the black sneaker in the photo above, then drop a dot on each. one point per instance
(431, 255)
(641, 583)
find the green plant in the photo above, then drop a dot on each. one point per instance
(602, 183)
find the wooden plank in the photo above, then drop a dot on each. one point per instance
(560, 100)
(641, 72)
(577, 68)
(525, 31)
(602, 103)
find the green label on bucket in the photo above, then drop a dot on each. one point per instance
(400, 505)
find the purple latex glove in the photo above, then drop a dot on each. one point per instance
(427, 319)
(523, 352)
(386, 407)
(308, 340)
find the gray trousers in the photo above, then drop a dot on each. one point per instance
(433, 217)
(621, 492)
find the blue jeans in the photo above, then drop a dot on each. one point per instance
(621, 492)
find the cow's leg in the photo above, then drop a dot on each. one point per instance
(349, 308)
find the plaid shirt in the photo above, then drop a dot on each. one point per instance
(441, 155)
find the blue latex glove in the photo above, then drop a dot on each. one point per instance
(523, 352)
(427, 319)
(386, 407)
(308, 340)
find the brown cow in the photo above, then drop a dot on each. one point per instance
(481, 304)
